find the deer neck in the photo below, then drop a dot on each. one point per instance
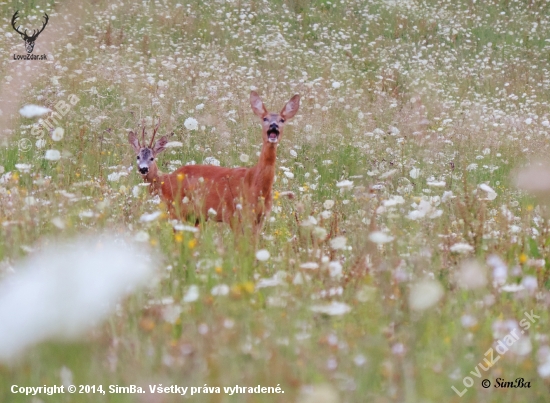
(265, 169)
(153, 177)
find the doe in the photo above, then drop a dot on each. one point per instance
(231, 195)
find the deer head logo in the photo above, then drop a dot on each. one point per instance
(29, 40)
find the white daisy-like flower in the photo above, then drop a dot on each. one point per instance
(191, 124)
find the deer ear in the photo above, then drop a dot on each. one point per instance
(257, 104)
(134, 142)
(291, 107)
(160, 145)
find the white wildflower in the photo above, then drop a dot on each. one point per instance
(320, 233)
(31, 111)
(57, 134)
(309, 266)
(174, 144)
(221, 289)
(52, 155)
(309, 222)
(335, 308)
(335, 269)
(191, 124)
(414, 173)
(439, 184)
(66, 288)
(500, 270)
(262, 255)
(380, 237)
(345, 184)
(491, 194)
(150, 217)
(142, 236)
(472, 275)
(192, 294)
(461, 247)
(328, 204)
(24, 168)
(425, 294)
(244, 158)
(211, 161)
(338, 243)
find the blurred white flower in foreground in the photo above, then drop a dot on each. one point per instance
(472, 275)
(31, 111)
(425, 294)
(534, 179)
(65, 289)
(500, 270)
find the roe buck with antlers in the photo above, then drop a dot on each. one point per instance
(29, 40)
(227, 194)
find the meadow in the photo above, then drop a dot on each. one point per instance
(418, 238)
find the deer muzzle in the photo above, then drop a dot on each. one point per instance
(273, 133)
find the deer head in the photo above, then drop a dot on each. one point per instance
(29, 40)
(273, 123)
(146, 154)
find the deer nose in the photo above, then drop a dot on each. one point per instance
(273, 126)
(143, 170)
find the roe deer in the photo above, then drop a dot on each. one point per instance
(226, 194)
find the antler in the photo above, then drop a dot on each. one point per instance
(143, 133)
(13, 19)
(34, 35)
(154, 133)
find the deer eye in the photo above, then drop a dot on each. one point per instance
(152, 158)
(282, 121)
(265, 119)
(137, 157)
